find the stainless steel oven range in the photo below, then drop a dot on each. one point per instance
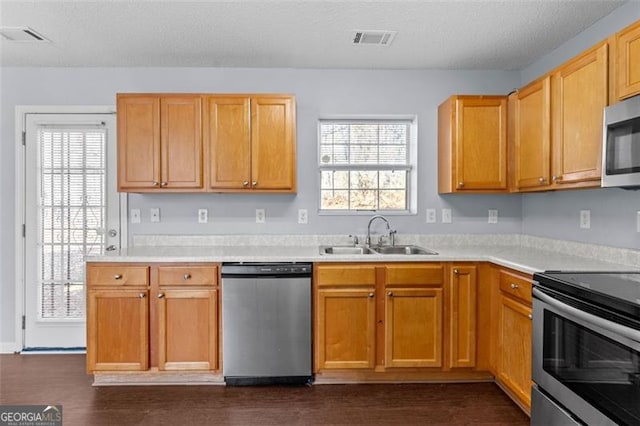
(586, 348)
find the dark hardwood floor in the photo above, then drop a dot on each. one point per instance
(61, 379)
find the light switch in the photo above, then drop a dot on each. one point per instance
(431, 215)
(493, 216)
(203, 215)
(135, 215)
(446, 215)
(585, 219)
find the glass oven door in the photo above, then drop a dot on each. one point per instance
(587, 363)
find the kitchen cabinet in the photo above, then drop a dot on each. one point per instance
(187, 300)
(137, 315)
(579, 94)
(472, 144)
(345, 316)
(117, 318)
(251, 143)
(532, 135)
(382, 315)
(159, 143)
(514, 335)
(627, 61)
(462, 317)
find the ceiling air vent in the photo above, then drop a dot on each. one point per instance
(22, 34)
(373, 37)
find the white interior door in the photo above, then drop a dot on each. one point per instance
(72, 209)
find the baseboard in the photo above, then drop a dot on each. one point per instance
(8, 347)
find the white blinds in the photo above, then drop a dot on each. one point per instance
(72, 209)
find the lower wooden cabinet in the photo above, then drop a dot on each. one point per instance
(117, 330)
(195, 310)
(378, 316)
(514, 336)
(345, 336)
(462, 304)
(413, 327)
(149, 316)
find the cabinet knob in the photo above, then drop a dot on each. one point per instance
(390, 294)
(163, 184)
(530, 316)
(554, 178)
(371, 294)
(456, 271)
(142, 295)
(186, 277)
(460, 184)
(254, 184)
(514, 286)
(245, 182)
(542, 180)
(117, 277)
(154, 183)
(160, 296)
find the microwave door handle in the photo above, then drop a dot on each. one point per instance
(588, 318)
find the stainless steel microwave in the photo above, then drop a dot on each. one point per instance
(621, 144)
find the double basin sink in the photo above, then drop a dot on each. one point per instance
(361, 250)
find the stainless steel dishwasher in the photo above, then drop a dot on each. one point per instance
(266, 323)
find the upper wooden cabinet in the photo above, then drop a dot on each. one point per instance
(251, 143)
(472, 144)
(628, 61)
(579, 95)
(531, 110)
(159, 142)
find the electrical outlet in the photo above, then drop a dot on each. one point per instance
(431, 215)
(493, 216)
(585, 219)
(302, 216)
(446, 215)
(638, 221)
(154, 215)
(203, 215)
(260, 216)
(135, 215)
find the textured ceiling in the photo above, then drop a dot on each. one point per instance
(444, 34)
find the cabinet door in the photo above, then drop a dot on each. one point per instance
(138, 141)
(345, 329)
(181, 142)
(228, 142)
(462, 316)
(273, 143)
(481, 143)
(580, 93)
(413, 327)
(628, 61)
(188, 329)
(514, 368)
(117, 330)
(533, 135)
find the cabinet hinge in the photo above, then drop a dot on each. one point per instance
(24, 322)
(24, 138)
(24, 230)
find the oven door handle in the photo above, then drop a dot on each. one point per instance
(588, 318)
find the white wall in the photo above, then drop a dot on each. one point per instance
(318, 92)
(613, 211)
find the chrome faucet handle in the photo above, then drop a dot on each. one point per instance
(380, 240)
(392, 237)
(355, 239)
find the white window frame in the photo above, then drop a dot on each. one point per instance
(412, 168)
(21, 112)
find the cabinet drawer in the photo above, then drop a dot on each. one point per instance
(188, 275)
(346, 275)
(117, 275)
(516, 285)
(403, 274)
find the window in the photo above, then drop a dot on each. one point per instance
(367, 165)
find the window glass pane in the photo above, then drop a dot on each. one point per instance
(364, 200)
(393, 179)
(393, 199)
(334, 200)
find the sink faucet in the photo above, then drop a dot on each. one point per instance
(391, 233)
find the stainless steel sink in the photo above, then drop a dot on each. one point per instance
(400, 249)
(361, 250)
(344, 250)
